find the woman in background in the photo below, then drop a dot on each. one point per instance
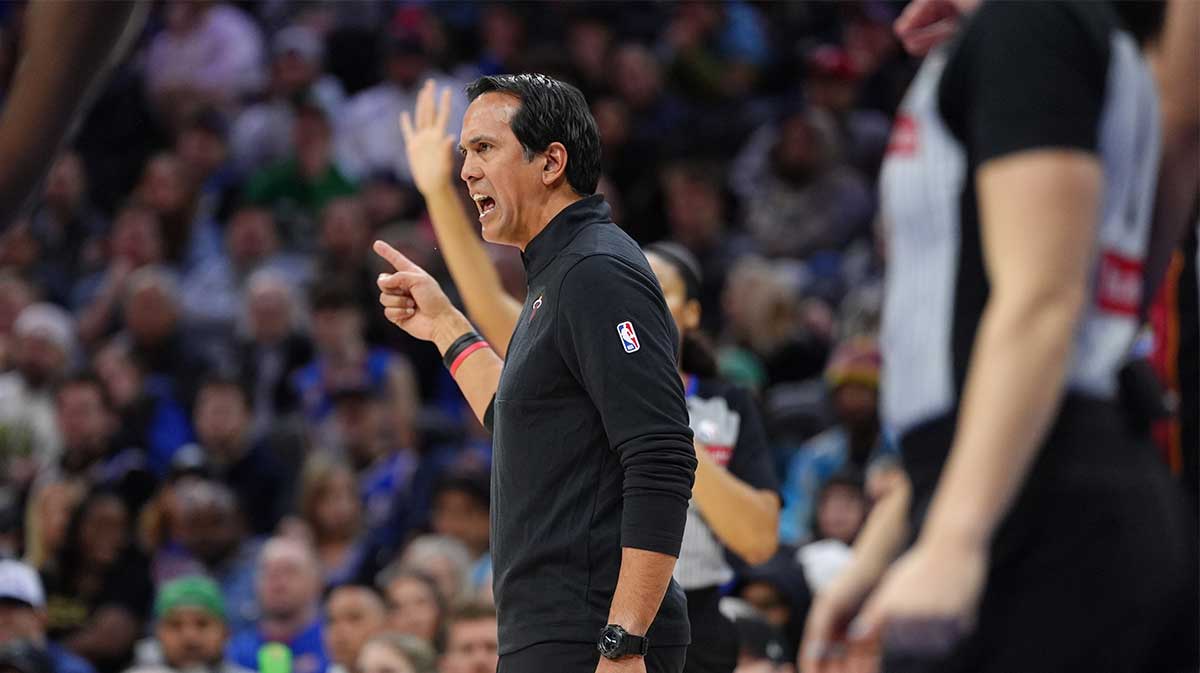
(98, 589)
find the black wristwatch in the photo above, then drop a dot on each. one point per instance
(615, 642)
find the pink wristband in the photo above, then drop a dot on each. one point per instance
(465, 354)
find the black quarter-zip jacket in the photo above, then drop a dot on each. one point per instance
(591, 446)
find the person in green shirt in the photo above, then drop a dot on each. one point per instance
(298, 188)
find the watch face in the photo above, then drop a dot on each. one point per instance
(610, 642)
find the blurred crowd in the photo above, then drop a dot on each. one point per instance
(210, 437)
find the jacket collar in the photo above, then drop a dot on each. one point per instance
(561, 230)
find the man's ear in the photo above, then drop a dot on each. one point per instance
(554, 164)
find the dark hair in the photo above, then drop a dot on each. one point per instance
(70, 560)
(848, 477)
(474, 483)
(470, 611)
(551, 111)
(88, 378)
(227, 381)
(684, 262)
(697, 356)
(331, 294)
(375, 593)
(696, 353)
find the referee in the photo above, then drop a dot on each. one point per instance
(1019, 187)
(593, 458)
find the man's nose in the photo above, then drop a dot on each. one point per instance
(470, 170)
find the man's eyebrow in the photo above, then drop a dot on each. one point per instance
(475, 141)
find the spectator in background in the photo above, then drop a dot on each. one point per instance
(344, 247)
(190, 631)
(778, 591)
(216, 290)
(853, 381)
(344, 359)
(762, 646)
(397, 653)
(654, 118)
(98, 587)
(841, 508)
(20, 252)
(589, 42)
(136, 241)
(42, 353)
(715, 49)
(298, 188)
(262, 134)
(387, 200)
(66, 225)
(289, 590)
(192, 238)
(210, 530)
(155, 335)
(272, 348)
(333, 511)
(461, 505)
(151, 415)
(210, 54)
(471, 640)
(832, 84)
(15, 294)
(203, 148)
(92, 451)
(444, 559)
(773, 336)
(805, 200)
(502, 40)
(695, 205)
(369, 138)
(416, 605)
(222, 418)
(354, 614)
(382, 466)
(47, 515)
(23, 617)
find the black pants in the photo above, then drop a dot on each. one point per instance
(714, 647)
(582, 658)
(1093, 571)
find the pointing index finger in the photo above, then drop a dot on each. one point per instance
(394, 257)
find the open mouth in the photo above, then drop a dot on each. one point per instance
(484, 203)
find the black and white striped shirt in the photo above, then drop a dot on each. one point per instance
(1022, 75)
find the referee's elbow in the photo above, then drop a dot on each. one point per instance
(763, 541)
(761, 550)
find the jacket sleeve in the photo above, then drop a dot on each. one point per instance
(617, 338)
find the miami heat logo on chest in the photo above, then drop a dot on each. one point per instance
(537, 303)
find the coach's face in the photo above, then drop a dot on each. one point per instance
(505, 187)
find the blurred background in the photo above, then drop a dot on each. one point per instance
(197, 380)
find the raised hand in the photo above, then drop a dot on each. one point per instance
(824, 646)
(429, 147)
(924, 24)
(414, 301)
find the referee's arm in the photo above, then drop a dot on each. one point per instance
(639, 396)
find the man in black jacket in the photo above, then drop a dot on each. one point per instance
(593, 458)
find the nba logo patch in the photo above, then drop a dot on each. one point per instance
(629, 337)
